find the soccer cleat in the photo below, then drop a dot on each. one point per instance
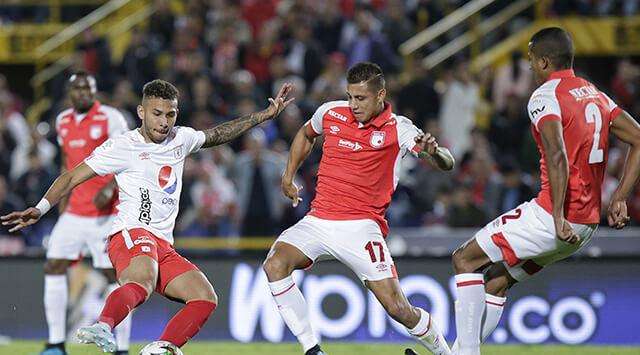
(315, 351)
(54, 349)
(98, 334)
(410, 352)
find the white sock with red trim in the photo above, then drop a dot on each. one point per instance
(492, 315)
(293, 309)
(470, 307)
(427, 333)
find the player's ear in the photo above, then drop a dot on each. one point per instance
(382, 94)
(140, 111)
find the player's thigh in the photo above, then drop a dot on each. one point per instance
(65, 241)
(359, 244)
(142, 270)
(520, 234)
(298, 246)
(190, 286)
(96, 241)
(134, 255)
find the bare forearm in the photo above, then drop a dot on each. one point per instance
(62, 206)
(558, 171)
(60, 188)
(630, 174)
(228, 131)
(300, 149)
(442, 158)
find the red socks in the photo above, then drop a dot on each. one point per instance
(187, 322)
(121, 302)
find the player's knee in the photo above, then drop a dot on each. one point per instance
(461, 264)
(110, 274)
(276, 268)
(498, 285)
(56, 267)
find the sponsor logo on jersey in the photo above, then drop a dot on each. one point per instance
(145, 206)
(538, 110)
(349, 145)
(584, 92)
(334, 129)
(167, 179)
(377, 139)
(77, 143)
(95, 132)
(339, 116)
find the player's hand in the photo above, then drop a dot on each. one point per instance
(617, 215)
(292, 191)
(565, 232)
(280, 102)
(427, 142)
(21, 219)
(102, 198)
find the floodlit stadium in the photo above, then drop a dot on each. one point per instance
(335, 177)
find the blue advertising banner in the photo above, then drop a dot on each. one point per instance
(574, 302)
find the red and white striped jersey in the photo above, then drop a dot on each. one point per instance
(360, 162)
(586, 114)
(78, 136)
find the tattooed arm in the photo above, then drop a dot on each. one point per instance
(226, 132)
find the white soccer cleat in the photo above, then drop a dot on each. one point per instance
(98, 334)
(434, 341)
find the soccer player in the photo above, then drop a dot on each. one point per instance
(148, 163)
(571, 121)
(364, 142)
(88, 213)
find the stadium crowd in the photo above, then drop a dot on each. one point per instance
(228, 57)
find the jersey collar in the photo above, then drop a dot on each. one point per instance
(92, 111)
(560, 74)
(381, 119)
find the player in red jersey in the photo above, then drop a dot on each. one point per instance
(364, 142)
(571, 121)
(87, 215)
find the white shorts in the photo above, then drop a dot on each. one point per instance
(73, 235)
(356, 243)
(525, 240)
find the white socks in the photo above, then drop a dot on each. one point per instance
(294, 311)
(123, 330)
(492, 314)
(470, 307)
(56, 294)
(427, 333)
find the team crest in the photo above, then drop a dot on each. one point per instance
(177, 152)
(95, 132)
(377, 139)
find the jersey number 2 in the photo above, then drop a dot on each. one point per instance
(593, 115)
(372, 254)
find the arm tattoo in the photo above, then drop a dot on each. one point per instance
(228, 131)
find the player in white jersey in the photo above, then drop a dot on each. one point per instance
(147, 163)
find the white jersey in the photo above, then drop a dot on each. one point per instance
(149, 177)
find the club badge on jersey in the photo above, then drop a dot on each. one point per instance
(377, 139)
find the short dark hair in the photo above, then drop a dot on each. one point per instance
(160, 89)
(555, 44)
(366, 72)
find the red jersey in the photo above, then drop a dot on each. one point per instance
(360, 162)
(586, 114)
(78, 136)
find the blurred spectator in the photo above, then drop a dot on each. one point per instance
(303, 54)
(257, 174)
(9, 202)
(139, 60)
(332, 83)
(463, 212)
(418, 99)
(362, 40)
(329, 23)
(513, 190)
(126, 101)
(35, 181)
(96, 58)
(624, 85)
(395, 25)
(512, 81)
(508, 127)
(161, 24)
(458, 110)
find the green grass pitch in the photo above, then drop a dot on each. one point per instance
(228, 348)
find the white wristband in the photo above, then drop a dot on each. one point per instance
(44, 206)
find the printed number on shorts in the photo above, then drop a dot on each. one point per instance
(516, 215)
(370, 248)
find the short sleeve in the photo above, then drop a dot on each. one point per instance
(193, 139)
(315, 123)
(614, 109)
(111, 157)
(407, 131)
(117, 124)
(543, 106)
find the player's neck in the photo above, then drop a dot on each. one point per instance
(376, 113)
(145, 136)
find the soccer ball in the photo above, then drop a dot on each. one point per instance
(160, 348)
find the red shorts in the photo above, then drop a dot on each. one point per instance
(127, 244)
